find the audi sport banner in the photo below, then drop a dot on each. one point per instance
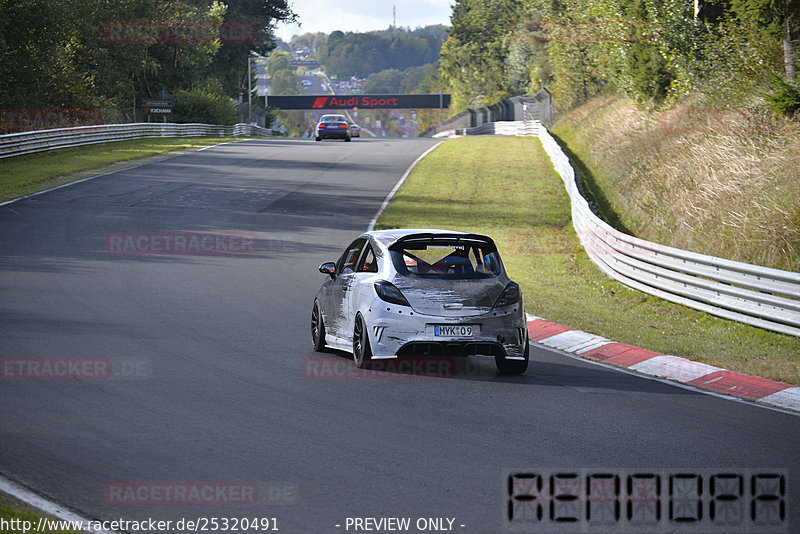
(360, 101)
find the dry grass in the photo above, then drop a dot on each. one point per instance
(725, 183)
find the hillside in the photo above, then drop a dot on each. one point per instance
(361, 54)
(720, 183)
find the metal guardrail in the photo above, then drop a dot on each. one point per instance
(522, 128)
(16, 144)
(759, 296)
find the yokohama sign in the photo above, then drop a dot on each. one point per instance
(360, 101)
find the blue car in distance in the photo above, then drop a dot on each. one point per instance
(333, 127)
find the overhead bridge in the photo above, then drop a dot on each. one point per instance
(426, 101)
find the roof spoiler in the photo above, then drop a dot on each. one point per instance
(427, 236)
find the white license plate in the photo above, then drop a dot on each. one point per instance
(461, 330)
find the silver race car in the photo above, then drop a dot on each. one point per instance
(398, 293)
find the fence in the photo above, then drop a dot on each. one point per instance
(17, 144)
(759, 296)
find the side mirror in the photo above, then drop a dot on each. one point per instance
(328, 268)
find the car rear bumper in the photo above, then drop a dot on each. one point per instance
(451, 348)
(332, 134)
(396, 332)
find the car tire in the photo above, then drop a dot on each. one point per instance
(362, 353)
(317, 329)
(513, 367)
(317, 138)
(347, 139)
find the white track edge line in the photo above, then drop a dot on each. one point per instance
(47, 506)
(391, 194)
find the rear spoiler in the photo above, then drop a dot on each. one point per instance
(449, 238)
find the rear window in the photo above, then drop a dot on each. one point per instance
(438, 259)
(333, 118)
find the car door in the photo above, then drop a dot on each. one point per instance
(339, 323)
(360, 291)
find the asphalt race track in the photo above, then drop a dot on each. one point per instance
(212, 382)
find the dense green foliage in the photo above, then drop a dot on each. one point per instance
(92, 54)
(786, 97)
(654, 51)
(473, 56)
(778, 18)
(311, 41)
(204, 105)
(362, 54)
(283, 78)
(421, 79)
(397, 60)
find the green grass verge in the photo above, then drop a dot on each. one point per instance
(23, 175)
(18, 515)
(506, 188)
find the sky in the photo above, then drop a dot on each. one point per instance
(363, 15)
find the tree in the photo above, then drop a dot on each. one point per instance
(37, 49)
(283, 82)
(779, 19)
(207, 105)
(473, 56)
(362, 54)
(384, 82)
(312, 41)
(577, 55)
(420, 79)
(91, 53)
(278, 61)
(230, 62)
(527, 64)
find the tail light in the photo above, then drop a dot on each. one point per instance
(389, 293)
(511, 295)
